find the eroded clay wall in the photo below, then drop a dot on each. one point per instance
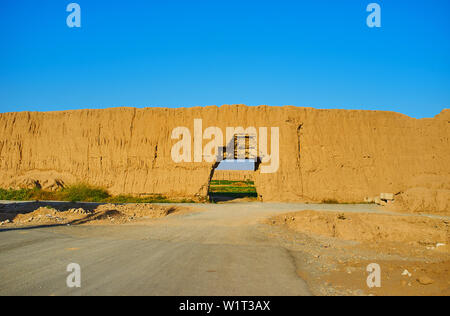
(324, 154)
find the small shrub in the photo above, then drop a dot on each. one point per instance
(42, 195)
(124, 199)
(16, 195)
(330, 201)
(148, 199)
(84, 193)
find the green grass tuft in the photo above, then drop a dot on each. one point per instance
(330, 201)
(234, 183)
(148, 199)
(16, 195)
(83, 193)
(232, 189)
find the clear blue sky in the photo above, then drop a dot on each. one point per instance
(173, 53)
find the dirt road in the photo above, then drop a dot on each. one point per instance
(221, 250)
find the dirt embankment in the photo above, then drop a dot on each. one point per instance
(102, 214)
(412, 251)
(369, 227)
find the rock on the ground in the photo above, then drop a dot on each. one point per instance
(424, 280)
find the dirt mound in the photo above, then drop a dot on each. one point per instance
(368, 227)
(107, 213)
(139, 210)
(48, 216)
(336, 248)
(423, 200)
(119, 214)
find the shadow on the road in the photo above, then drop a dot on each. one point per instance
(231, 196)
(32, 227)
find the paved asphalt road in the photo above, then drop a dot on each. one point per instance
(221, 250)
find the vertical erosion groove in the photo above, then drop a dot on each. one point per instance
(299, 155)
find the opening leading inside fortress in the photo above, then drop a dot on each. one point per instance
(233, 177)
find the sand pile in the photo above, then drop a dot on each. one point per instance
(139, 210)
(368, 227)
(48, 216)
(423, 200)
(336, 249)
(107, 213)
(119, 214)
